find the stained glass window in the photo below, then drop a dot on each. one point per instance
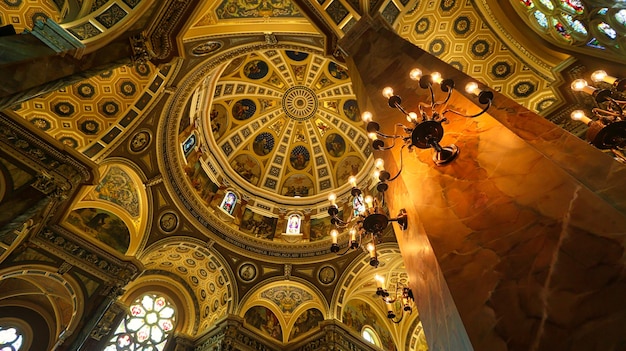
(576, 25)
(528, 3)
(547, 4)
(561, 29)
(541, 19)
(370, 336)
(147, 326)
(620, 16)
(575, 5)
(358, 205)
(229, 202)
(10, 339)
(603, 11)
(606, 29)
(293, 224)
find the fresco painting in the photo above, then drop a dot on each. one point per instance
(258, 225)
(117, 187)
(337, 71)
(358, 314)
(102, 225)
(320, 227)
(255, 69)
(298, 185)
(296, 55)
(263, 319)
(247, 167)
(219, 120)
(299, 157)
(201, 182)
(243, 109)
(351, 110)
(305, 322)
(335, 145)
(349, 166)
(263, 144)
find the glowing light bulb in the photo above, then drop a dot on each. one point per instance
(472, 88)
(369, 200)
(380, 281)
(332, 198)
(353, 234)
(379, 163)
(415, 74)
(387, 92)
(598, 76)
(352, 181)
(376, 174)
(579, 115)
(412, 117)
(372, 249)
(372, 136)
(334, 233)
(366, 116)
(436, 77)
(579, 84)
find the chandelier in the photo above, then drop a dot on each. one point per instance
(367, 219)
(398, 304)
(607, 124)
(425, 128)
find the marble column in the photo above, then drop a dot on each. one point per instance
(518, 244)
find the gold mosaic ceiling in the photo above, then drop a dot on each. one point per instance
(285, 122)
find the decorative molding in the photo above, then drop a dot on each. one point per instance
(57, 38)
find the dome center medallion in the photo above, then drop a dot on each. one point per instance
(300, 103)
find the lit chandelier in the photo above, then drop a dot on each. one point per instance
(400, 303)
(367, 219)
(425, 129)
(607, 127)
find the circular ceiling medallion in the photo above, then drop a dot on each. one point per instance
(300, 103)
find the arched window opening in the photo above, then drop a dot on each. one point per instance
(11, 339)
(147, 326)
(229, 202)
(370, 336)
(293, 224)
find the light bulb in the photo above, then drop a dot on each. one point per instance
(598, 76)
(332, 198)
(436, 77)
(415, 74)
(472, 88)
(334, 233)
(372, 249)
(579, 115)
(380, 281)
(387, 92)
(353, 234)
(379, 163)
(352, 181)
(372, 136)
(369, 200)
(579, 84)
(366, 116)
(376, 174)
(411, 117)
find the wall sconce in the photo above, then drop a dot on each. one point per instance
(397, 305)
(607, 125)
(425, 129)
(366, 222)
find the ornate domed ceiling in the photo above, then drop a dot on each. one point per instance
(280, 129)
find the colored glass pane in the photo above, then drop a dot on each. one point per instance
(576, 25)
(603, 11)
(547, 4)
(561, 29)
(528, 3)
(542, 20)
(146, 327)
(606, 29)
(620, 16)
(594, 43)
(575, 5)
(10, 339)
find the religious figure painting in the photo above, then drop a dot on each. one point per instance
(102, 225)
(335, 145)
(320, 227)
(219, 120)
(255, 69)
(117, 187)
(296, 55)
(263, 144)
(258, 225)
(305, 322)
(349, 166)
(247, 167)
(201, 182)
(299, 157)
(337, 71)
(243, 109)
(263, 319)
(351, 110)
(358, 313)
(298, 185)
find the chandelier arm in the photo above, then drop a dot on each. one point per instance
(468, 116)
(401, 162)
(447, 98)
(432, 96)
